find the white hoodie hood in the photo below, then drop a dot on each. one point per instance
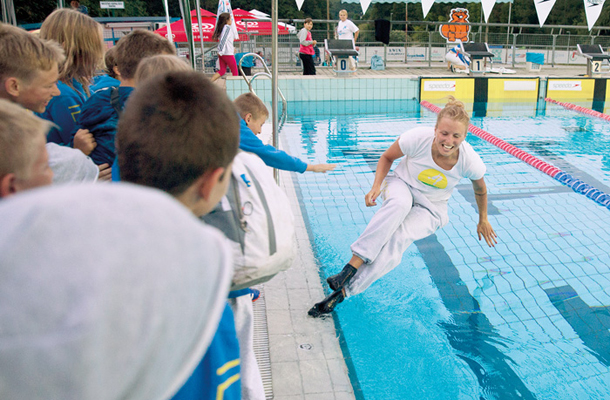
(106, 292)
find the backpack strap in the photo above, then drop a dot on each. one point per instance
(115, 100)
(270, 226)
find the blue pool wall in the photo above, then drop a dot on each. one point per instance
(296, 88)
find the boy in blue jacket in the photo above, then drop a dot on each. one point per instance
(253, 115)
(100, 113)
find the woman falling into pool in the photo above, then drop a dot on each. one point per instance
(414, 200)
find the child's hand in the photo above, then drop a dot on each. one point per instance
(105, 172)
(320, 167)
(84, 141)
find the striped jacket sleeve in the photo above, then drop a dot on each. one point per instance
(225, 35)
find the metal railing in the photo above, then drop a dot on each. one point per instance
(266, 74)
(558, 42)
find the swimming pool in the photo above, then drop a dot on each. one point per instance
(457, 320)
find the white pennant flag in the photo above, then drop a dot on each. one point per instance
(300, 4)
(426, 5)
(543, 8)
(224, 6)
(592, 9)
(488, 5)
(365, 5)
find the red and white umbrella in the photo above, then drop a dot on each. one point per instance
(208, 23)
(256, 27)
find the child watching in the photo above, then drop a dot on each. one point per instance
(179, 133)
(29, 71)
(306, 48)
(100, 113)
(159, 64)
(253, 115)
(109, 77)
(24, 162)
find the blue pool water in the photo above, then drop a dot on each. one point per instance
(527, 319)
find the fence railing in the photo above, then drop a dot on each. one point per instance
(423, 43)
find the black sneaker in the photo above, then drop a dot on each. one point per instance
(337, 282)
(327, 305)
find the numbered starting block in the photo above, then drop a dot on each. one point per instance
(478, 53)
(340, 52)
(595, 56)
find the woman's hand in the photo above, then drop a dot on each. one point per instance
(371, 196)
(485, 230)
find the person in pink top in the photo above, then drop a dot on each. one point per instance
(306, 50)
(226, 53)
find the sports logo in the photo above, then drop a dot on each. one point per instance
(439, 86)
(565, 85)
(434, 178)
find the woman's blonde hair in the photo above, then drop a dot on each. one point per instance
(81, 38)
(159, 64)
(454, 110)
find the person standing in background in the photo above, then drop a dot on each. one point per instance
(306, 50)
(226, 52)
(76, 6)
(347, 30)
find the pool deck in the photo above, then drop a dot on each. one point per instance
(306, 358)
(306, 361)
(438, 69)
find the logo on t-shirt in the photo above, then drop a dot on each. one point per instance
(434, 178)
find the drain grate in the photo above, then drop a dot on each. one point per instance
(261, 343)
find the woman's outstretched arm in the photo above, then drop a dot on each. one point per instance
(484, 229)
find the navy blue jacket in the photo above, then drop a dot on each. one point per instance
(103, 81)
(99, 116)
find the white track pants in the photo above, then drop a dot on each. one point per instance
(251, 381)
(405, 216)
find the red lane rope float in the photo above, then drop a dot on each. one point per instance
(507, 147)
(580, 109)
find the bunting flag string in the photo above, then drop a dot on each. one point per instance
(426, 5)
(543, 8)
(487, 5)
(593, 9)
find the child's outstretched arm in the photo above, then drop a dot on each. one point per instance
(320, 167)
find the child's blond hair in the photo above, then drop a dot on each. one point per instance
(159, 64)
(248, 103)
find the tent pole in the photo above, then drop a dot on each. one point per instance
(198, 5)
(274, 82)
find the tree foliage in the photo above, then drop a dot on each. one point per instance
(565, 12)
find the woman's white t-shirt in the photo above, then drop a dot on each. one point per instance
(346, 29)
(420, 171)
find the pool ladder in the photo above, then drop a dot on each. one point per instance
(266, 74)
